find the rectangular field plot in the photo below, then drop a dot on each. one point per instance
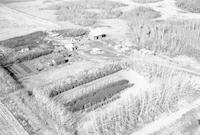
(21, 69)
(8, 124)
(99, 95)
(100, 91)
(77, 92)
(81, 79)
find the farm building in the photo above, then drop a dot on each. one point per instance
(59, 60)
(97, 34)
(96, 51)
(70, 46)
(24, 50)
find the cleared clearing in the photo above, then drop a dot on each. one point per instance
(8, 124)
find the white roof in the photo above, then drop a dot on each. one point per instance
(96, 32)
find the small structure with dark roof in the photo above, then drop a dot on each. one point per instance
(99, 36)
(59, 60)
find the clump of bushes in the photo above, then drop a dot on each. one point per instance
(81, 79)
(190, 5)
(170, 38)
(99, 95)
(141, 13)
(53, 89)
(25, 56)
(72, 32)
(77, 11)
(31, 40)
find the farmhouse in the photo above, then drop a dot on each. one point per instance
(59, 60)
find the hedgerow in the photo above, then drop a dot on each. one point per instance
(99, 95)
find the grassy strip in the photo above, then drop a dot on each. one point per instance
(99, 95)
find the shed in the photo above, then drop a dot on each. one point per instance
(59, 60)
(99, 36)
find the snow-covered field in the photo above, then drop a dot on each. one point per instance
(21, 18)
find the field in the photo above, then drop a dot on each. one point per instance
(141, 109)
(99, 95)
(99, 67)
(190, 5)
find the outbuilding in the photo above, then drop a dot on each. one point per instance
(99, 36)
(59, 60)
